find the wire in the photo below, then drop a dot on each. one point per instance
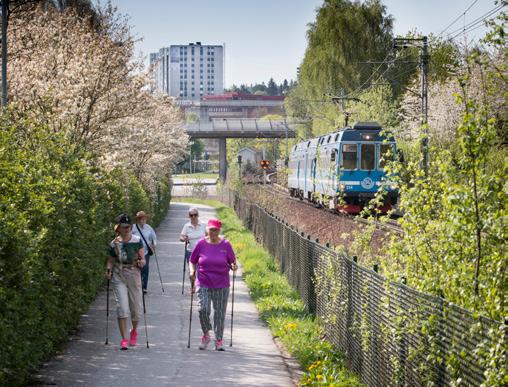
(469, 30)
(371, 75)
(458, 18)
(475, 22)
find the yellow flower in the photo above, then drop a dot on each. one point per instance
(319, 377)
(290, 326)
(314, 365)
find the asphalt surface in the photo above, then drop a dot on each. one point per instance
(194, 188)
(253, 360)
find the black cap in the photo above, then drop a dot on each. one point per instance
(123, 219)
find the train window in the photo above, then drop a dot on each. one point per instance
(308, 144)
(329, 137)
(333, 155)
(367, 156)
(337, 137)
(349, 156)
(385, 153)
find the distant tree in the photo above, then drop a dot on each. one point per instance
(258, 87)
(197, 148)
(284, 87)
(272, 88)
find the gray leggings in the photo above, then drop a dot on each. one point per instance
(219, 298)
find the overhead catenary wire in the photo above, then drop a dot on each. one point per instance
(358, 89)
(469, 30)
(458, 18)
(473, 24)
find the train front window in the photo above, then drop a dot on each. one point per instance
(349, 156)
(368, 156)
(385, 154)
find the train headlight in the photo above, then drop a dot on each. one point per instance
(393, 187)
(342, 187)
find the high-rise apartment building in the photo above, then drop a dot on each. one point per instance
(189, 71)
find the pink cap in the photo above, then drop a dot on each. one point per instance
(214, 223)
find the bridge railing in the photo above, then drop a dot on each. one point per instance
(389, 333)
(245, 127)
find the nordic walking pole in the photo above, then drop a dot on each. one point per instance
(184, 260)
(157, 262)
(107, 314)
(144, 316)
(232, 305)
(190, 314)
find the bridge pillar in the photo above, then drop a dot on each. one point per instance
(222, 159)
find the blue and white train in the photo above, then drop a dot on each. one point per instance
(348, 163)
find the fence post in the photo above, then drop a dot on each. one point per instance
(402, 341)
(349, 320)
(441, 373)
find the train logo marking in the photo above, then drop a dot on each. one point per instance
(367, 183)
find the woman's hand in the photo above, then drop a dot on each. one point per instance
(233, 266)
(141, 263)
(109, 274)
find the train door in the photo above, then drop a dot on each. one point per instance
(313, 174)
(333, 172)
(369, 175)
(298, 182)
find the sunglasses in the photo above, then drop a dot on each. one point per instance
(193, 215)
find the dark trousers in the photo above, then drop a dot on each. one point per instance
(144, 272)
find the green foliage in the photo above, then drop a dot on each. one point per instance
(344, 34)
(376, 104)
(57, 209)
(455, 220)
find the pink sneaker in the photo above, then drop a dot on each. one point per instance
(124, 344)
(205, 340)
(219, 346)
(134, 338)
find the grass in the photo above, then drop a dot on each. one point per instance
(197, 176)
(281, 308)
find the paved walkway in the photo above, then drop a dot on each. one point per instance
(253, 360)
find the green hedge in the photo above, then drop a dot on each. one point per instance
(56, 211)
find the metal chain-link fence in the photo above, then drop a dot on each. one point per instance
(389, 333)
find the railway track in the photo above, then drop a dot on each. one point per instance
(390, 225)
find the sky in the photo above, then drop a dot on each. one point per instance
(267, 38)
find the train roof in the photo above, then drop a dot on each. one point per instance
(360, 131)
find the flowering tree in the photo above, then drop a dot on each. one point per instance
(80, 75)
(475, 71)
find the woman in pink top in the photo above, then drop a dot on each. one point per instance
(214, 257)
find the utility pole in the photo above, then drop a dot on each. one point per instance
(425, 116)
(341, 99)
(5, 10)
(422, 43)
(264, 170)
(240, 168)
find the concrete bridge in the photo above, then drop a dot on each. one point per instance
(223, 128)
